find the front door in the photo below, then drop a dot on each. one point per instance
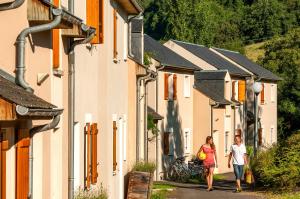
(3, 149)
(22, 164)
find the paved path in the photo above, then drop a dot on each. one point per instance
(222, 189)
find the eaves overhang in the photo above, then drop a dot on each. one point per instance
(132, 7)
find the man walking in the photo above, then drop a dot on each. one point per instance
(238, 154)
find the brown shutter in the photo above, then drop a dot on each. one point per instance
(174, 87)
(242, 90)
(233, 90)
(94, 18)
(22, 164)
(166, 143)
(88, 155)
(115, 33)
(260, 141)
(114, 145)
(262, 94)
(3, 149)
(166, 86)
(55, 42)
(94, 153)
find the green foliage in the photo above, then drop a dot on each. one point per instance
(100, 193)
(283, 58)
(222, 23)
(151, 125)
(144, 167)
(163, 186)
(159, 195)
(278, 167)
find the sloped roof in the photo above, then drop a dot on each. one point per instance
(13, 93)
(249, 65)
(166, 56)
(212, 58)
(154, 114)
(212, 84)
(210, 75)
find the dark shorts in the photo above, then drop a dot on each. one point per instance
(238, 171)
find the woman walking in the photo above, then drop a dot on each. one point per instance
(210, 161)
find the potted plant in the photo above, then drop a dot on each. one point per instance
(248, 175)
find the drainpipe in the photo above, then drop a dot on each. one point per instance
(151, 79)
(156, 109)
(32, 132)
(11, 5)
(71, 6)
(71, 105)
(138, 83)
(20, 47)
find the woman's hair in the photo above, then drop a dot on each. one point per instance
(208, 138)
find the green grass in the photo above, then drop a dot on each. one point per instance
(159, 195)
(144, 167)
(283, 196)
(219, 177)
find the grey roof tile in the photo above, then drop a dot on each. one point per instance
(249, 65)
(13, 93)
(166, 56)
(212, 58)
(210, 75)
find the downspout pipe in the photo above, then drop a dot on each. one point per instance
(138, 96)
(11, 5)
(20, 47)
(32, 132)
(150, 79)
(156, 109)
(71, 105)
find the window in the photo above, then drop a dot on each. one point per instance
(95, 19)
(273, 93)
(115, 31)
(242, 90)
(91, 175)
(187, 141)
(227, 142)
(262, 95)
(170, 85)
(187, 87)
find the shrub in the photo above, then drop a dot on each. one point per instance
(144, 167)
(279, 166)
(99, 193)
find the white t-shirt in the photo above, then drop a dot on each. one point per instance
(238, 153)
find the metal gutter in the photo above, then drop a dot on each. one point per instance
(32, 132)
(11, 5)
(71, 104)
(20, 47)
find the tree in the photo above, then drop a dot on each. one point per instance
(283, 58)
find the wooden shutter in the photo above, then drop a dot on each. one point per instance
(115, 16)
(174, 87)
(3, 149)
(94, 162)
(262, 94)
(22, 170)
(166, 143)
(260, 132)
(242, 90)
(233, 90)
(95, 18)
(88, 155)
(166, 83)
(114, 145)
(55, 42)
